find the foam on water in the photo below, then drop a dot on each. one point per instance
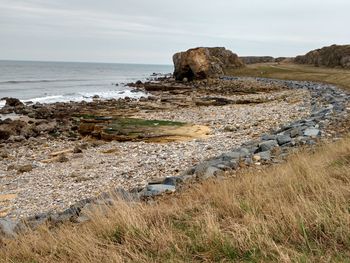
(50, 82)
(86, 96)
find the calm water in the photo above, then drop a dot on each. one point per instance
(48, 82)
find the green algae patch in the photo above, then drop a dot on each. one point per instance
(133, 129)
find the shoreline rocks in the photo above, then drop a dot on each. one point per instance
(328, 104)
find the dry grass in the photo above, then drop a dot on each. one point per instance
(290, 71)
(295, 212)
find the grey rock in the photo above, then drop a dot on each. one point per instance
(267, 145)
(233, 164)
(248, 160)
(292, 143)
(295, 132)
(310, 142)
(207, 170)
(312, 132)
(283, 139)
(230, 155)
(246, 152)
(265, 156)
(211, 171)
(157, 189)
(173, 180)
(8, 227)
(268, 137)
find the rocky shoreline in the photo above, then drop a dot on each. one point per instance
(246, 128)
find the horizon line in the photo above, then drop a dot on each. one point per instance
(91, 62)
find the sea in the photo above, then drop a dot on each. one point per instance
(49, 82)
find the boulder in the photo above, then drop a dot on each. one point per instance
(12, 102)
(9, 127)
(202, 63)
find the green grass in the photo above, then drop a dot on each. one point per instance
(138, 127)
(291, 71)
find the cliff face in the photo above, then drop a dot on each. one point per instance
(332, 56)
(203, 62)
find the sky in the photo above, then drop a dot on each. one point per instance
(151, 31)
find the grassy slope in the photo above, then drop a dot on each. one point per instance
(298, 211)
(292, 71)
(295, 212)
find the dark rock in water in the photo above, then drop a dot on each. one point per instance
(201, 63)
(12, 102)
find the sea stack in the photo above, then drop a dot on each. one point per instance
(204, 62)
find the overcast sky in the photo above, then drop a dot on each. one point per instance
(150, 31)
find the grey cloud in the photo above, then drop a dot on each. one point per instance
(150, 31)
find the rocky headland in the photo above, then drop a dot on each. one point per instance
(56, 160)
(203, 63)
(335, 56)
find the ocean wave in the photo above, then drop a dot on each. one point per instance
(82, 96)
(42, 81)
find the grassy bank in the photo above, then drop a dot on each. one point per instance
(290, 71)
(295, 212)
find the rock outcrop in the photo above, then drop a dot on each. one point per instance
(332, 56)
(12, 102)
(202, 63)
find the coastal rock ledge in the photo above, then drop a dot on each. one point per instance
(204, 62)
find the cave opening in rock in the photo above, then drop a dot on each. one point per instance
(188, 73)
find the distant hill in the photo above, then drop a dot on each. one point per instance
(335, 56)
(261, 59)
(257, 59)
